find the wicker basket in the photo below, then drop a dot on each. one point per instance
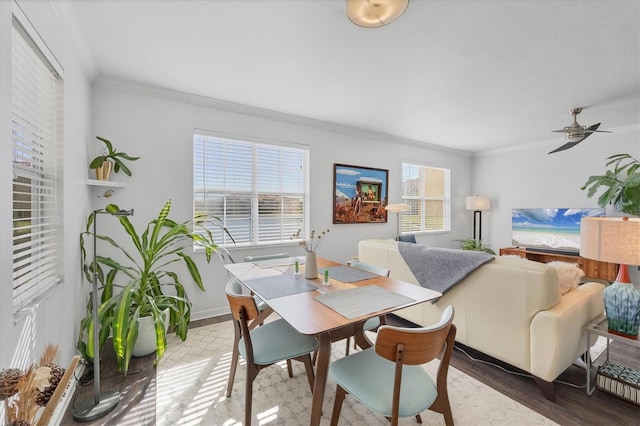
(620, 381)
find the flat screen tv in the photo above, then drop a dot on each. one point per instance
(552, 230)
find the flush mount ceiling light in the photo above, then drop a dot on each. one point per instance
(375, 13)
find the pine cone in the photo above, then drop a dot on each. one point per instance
(46, 391)
(20, 423)
(9, 378)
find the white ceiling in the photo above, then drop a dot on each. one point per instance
(466, 74)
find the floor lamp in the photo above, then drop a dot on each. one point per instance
(397, 209)
(477, 203)
(101, 403)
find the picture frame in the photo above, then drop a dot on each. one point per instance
(360, 194)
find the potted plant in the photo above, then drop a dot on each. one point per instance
(622, 191)
(475, 245)
(151, 286)
(110, 158)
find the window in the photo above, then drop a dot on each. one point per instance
(258, 190)
(36, 138)
(427, 191)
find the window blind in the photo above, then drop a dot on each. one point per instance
(36, 117)
(427, 191)
(258, 190)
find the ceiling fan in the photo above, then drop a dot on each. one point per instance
(576, 133)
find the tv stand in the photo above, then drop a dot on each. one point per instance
(594, 269)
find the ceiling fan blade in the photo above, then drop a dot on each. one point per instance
(558, 131)
(570, 144)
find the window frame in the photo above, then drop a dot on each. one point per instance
(37, 188)
(254, 240)
(407, 226)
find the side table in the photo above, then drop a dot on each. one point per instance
(599, 328)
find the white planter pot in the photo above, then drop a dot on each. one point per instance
(146, 341)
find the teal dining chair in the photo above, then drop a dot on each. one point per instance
(371, 323)
(389, 379)
(263, 346)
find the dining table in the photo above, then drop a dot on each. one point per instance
(330, 311)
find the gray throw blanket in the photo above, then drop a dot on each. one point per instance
(440, 269)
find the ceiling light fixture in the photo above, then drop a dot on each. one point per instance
(375, 13)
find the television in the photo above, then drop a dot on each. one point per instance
(549, 230)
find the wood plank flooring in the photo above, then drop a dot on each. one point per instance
(572, 406)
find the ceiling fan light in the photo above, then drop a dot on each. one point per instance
(375, 13)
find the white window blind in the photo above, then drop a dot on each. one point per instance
(36, 139)
(427, 191)
(258, 190)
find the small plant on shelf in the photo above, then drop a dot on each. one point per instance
(110, 158)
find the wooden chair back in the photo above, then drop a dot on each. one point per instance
(414, 346)
(243, 306)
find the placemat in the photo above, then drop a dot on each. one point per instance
(279, 285)
(359, 301)
(347, 274)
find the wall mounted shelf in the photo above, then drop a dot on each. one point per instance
(107, 185)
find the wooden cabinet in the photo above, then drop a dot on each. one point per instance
(592, 268)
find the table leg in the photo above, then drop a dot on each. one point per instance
(322, 368)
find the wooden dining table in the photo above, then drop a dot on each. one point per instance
(311, 317)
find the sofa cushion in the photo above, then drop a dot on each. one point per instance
(569, 275)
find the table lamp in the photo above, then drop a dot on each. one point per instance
(397, 209)
(616, 240)
(477, 203)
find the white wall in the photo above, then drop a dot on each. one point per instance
(531, 178)
(143, 121)
(56, 320)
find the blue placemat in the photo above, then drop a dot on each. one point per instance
(359, 301)
(279, 285)
(347, 274)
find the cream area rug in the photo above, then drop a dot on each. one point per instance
(192, 380)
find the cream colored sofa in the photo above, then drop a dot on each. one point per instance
(509, 308)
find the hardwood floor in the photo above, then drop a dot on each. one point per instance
(572, 406)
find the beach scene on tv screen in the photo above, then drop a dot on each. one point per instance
(551, 229)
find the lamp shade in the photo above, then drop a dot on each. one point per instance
(398, 208)
(611, 239)
(375, 13)
(477, 202)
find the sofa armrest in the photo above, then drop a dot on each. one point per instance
(558, 335)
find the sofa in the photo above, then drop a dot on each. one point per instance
(510, 308)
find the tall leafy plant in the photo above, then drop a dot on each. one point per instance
(151, 286)
(621, 184)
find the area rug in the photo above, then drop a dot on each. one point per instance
(192, 379)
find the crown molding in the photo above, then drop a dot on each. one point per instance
(207, 102)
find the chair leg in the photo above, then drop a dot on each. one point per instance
(418, 418)
(346, 350)
(337, 405)
(234, 358)
(441, 405)
(232, 371)
(252, 372)
(308, 366)
(289, 368)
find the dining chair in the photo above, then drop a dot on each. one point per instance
(371, 323)
(400, 388)
(263, 346)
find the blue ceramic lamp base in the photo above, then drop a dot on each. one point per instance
(622, 304)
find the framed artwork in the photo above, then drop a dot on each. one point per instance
(359, 194)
